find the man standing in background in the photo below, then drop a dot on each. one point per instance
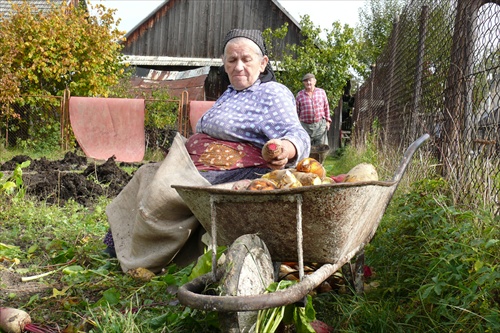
(314, 111)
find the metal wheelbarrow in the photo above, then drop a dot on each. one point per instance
(328, 224)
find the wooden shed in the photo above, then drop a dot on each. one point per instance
(182, 35)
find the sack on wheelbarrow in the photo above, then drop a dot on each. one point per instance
(150, 223)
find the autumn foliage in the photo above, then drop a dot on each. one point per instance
(45, 52)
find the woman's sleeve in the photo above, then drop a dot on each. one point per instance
(283, 122)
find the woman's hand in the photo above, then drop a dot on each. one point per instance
(277, 153)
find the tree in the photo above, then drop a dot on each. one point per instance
(330, 58)
(43, 53)
(376, 19)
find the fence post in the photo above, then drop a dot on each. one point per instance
(65, 124)
(369, 110)
(417, 92)
(336, 126)
(390, 81)
(456, 96)
(183, 116)
(7, 126)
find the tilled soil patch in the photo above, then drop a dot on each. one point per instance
(74, 177)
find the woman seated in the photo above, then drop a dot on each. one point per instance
(150, 225)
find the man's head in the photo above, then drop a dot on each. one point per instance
(309, 81)
(244, 57)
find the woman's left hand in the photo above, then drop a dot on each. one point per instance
(277, 152)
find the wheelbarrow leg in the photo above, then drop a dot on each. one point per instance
(354, 273)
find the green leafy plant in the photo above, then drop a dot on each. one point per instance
(204, 263)
(329, 54)
(268, 320)
(14, 184)
(46, 52)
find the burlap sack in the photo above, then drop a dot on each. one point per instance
(150, 223)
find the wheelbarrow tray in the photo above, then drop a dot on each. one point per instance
(336, 219)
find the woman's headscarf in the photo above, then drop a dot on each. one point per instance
(256, 37)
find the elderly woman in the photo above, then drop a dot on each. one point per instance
(150, 224)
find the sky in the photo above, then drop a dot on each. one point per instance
(322, 12)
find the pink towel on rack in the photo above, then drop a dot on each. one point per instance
(105, 127)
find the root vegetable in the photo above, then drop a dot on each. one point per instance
(310, 165)
(321, 327)
(339, 178)
(13, 320)
(241, 184)
(275, 175)
(141, 273)
(307, 179)
(271, 150)
(327, 180)
(362, 172)
(261, 185)
(289, 181)
(282, 178)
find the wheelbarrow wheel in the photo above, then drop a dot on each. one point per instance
(248, 271)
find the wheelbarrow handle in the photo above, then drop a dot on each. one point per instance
(190, 293)
(407, 157)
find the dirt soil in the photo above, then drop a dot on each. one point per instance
(74, 177)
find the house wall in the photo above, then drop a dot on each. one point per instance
(196, 29)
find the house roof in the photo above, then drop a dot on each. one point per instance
(135, 60)
(42, 5)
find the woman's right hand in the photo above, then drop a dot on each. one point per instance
(277, 153)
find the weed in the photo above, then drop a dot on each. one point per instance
(13, 185)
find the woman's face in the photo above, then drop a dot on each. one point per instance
(243, 62)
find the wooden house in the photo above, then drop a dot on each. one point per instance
(182, 39)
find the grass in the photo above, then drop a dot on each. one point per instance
(436, 270)
(91, 290)
(435, 266)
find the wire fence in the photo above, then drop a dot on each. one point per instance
(440, 74)
(34, 121)
(42, 123)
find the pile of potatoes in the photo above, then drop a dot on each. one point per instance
(308, 172)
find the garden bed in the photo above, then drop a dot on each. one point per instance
(72, 178)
